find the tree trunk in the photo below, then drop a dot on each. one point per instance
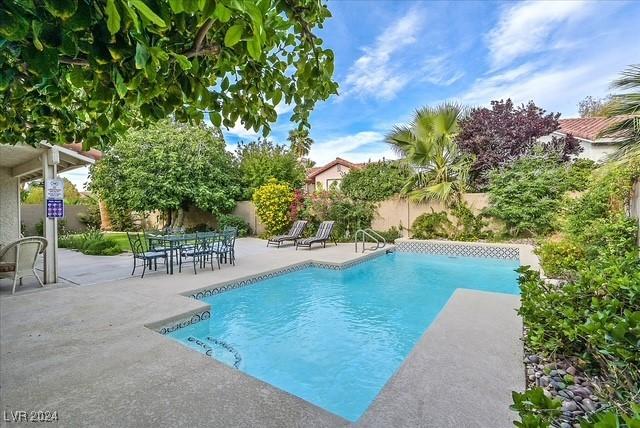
(105, 219)
(179, 221)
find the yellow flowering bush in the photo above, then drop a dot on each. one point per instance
(273, 201)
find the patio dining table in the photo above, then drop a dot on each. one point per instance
(171, 243)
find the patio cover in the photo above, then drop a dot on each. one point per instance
(20, 163)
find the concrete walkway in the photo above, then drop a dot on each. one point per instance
(84, 351)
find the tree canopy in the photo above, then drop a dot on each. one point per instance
(87, 70)
(166, 167)
(376, 181)
(505, 133)
(262, 160)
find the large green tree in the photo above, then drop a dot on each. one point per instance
(87, 70)
(428, 145)
(168, 167)
(376, 181)
(263, 160)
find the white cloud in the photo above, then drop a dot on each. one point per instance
(525, 27)
(79, 177)
(376, 73)
(347, 147)
(438, 71)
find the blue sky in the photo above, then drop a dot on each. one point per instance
(395, 56)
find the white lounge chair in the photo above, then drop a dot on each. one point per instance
(18, 259)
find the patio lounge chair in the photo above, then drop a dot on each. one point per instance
(322, 236)
(18, 259)
(293, 235)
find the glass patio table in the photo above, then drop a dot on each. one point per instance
(171, 243)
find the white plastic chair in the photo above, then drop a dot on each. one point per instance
(18, 259)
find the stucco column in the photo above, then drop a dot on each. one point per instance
(50, 161)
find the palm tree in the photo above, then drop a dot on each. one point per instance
(300, 142)
(427, 144)
(626, 106)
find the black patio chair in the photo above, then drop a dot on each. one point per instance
(148, 257)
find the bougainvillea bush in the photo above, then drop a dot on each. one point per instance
(273, 202)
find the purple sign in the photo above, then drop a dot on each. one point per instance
(55, 208)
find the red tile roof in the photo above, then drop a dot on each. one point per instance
(312, 172)
(587, 128)
(94, 154)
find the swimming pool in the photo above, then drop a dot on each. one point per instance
(334, 337)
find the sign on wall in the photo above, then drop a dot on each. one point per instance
(54, 194)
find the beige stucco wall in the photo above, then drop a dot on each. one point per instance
(401, 213)
(32, 214)
(247, 211)
(9, 207)
(392, 212)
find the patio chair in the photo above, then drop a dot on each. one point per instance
(231, 229)
(322, 236)
(293, 235)
(202, 248)
(227, 249)
(18, 259)
(147, 256)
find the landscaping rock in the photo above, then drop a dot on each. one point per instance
(569, 406)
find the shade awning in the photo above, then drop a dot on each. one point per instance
(24, 161)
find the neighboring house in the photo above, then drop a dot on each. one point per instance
(586, 131)
(328, 175)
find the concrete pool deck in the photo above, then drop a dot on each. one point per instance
(85, 352)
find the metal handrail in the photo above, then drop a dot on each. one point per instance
(372, 234)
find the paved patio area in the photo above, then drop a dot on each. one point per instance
(85, 352)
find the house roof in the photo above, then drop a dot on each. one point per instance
(94, 154)
(312, 172)
(586, 128)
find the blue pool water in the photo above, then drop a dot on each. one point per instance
(334, 337)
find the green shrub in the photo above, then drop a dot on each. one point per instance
(469, 227)
(390, 235)
(376, 181)
(559, 258)
(595, 315)
(349, 215)
(273, 201)
(230, 220)
(527, 195)
(431, 225)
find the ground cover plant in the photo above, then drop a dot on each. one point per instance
(592, 318)
(92, 242)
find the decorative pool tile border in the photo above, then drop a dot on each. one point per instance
(454, 249)
(181, 322)
(203, 293)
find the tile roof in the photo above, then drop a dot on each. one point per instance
(586, 128)
(312, 172)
